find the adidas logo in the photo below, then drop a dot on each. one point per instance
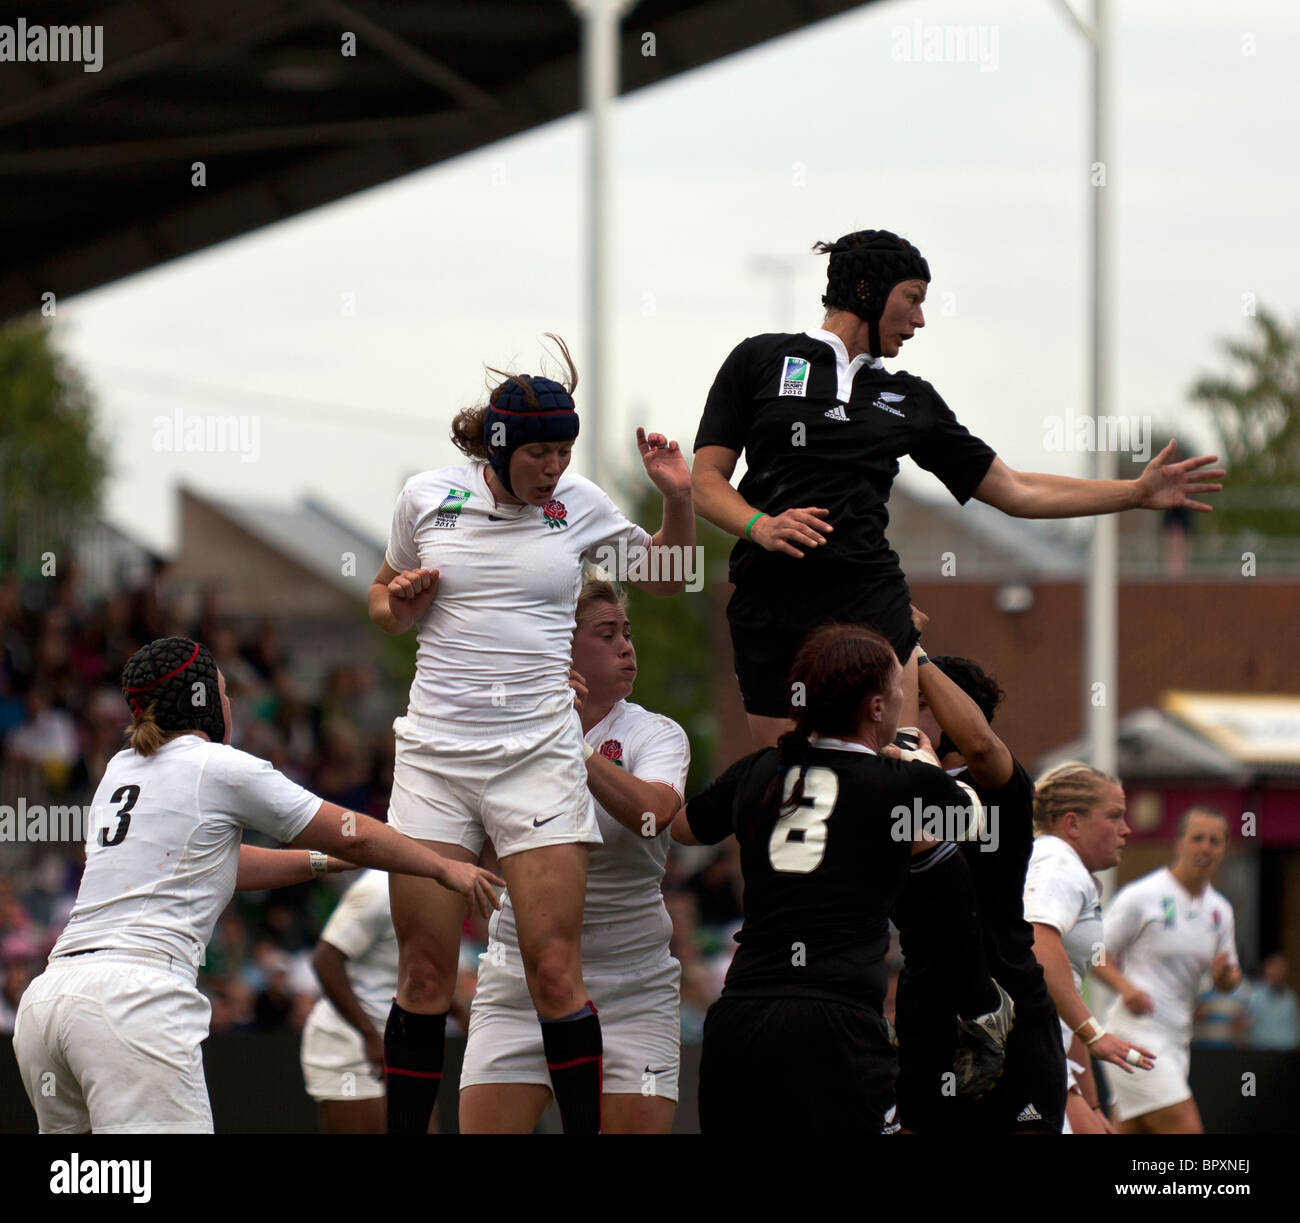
(1029, 1113)
(836, 413)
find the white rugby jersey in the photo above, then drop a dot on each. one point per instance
(361, 927)
(624, 920)
(162, 845)
(1061, 893)
(496, 643)
(1164, 939)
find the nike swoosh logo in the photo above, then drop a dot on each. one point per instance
(494, 518)
(538, 823)
(649, 1071)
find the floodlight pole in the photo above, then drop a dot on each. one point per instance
(1103, 602)
(1100, 695)
(600, 51)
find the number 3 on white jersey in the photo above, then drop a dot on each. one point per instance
(798, 842)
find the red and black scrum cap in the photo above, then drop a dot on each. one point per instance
(526, 409)
(175, 679)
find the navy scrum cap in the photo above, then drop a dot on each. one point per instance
(176, 679)
(864, 267)
(525, 410)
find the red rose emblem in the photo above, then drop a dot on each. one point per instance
(555, 514)
(612, 749)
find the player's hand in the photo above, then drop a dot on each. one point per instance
(1165, 484)
(924, 751)
(1111, 1049)
(1137, 1001)
(473, 882)
(411, 593)
(919, 618)
(374, 1046)
(794, 529)
(579, 686)
(1225, 974)
(664, 464)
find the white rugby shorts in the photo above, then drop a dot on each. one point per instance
(109, 1042)
(333, 1059)
(640, 1029)
(523, 785)
(1145, 1091)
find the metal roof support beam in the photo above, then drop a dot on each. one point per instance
(418, 63)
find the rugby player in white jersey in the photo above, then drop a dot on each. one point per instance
(342, 1041)
(1164, 932)
(637, 773)
(487, 559)
(107, 1038)
(1079, 816)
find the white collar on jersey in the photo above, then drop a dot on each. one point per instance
(844, 368)
(839, 744)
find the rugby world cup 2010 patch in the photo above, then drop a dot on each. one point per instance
(794, 377)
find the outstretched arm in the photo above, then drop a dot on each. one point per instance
(367, 842)
(1162, 485)
(261, 869)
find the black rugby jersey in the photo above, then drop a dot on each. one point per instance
(819, 429)
(999, 879)
(819, 884)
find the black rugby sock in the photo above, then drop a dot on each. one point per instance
(573, 1057)
(938, 921)
(413, 1051)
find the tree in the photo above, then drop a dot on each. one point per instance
(52, 464)
(1255, 412)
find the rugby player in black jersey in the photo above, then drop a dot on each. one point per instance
(824, 853)
(957, 705)
(822, 424)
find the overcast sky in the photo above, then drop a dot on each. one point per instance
(984, 165)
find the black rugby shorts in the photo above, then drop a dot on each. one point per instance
(813, 1066)
(767, 630)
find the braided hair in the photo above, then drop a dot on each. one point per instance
(171, 685)
(1072, 786)
(835, 671)
(863, 269)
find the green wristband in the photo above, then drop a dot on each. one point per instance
(750, 523)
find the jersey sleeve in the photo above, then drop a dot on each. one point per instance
(1052, 897)
(1121, 922)
(401, 552)
(950, 451)
(723, 422)
(360, 918)
(254, 794)
(711, 813)
(663, 755)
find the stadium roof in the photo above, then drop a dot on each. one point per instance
(97, 166)
(311, 534)
(1152, 746)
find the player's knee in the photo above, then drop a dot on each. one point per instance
(555, 979)
(423, 981)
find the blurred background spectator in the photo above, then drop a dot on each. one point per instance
(1274, 1013)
